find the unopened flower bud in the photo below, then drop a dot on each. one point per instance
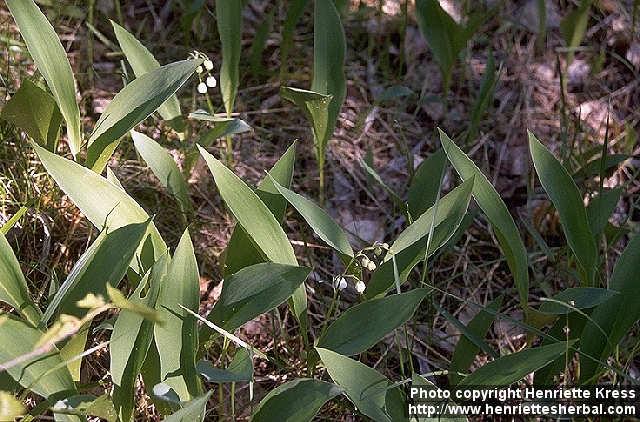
(365, 261)
(199, 69)
(377, 250)
(360, 286)
(211, 82)
(202, 88)
(343, 284)
(385, 245)
(371, 266)
(208, 64)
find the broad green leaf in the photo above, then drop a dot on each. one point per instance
(511, 368)
(106, 261)
(573, 26)
(259, 44)
(374, 176)
(130, 340)
(229, 20)
(592, 168)
(616, 316)
(455, 204)
(142, 61)
(567, 200)
(255, 290)
(426, 183)
(13, 286)
(35, 111)
(44, 373)
(329, 48)
(362, 326)
(321, 222)
(133, 104)
(193, 411)
(177, 337)
(241, 251)
(10, 407)
(601, 207)
(259, 223)
(445, 37)
(165, 168)
(316, 107)
(574, 298)
(295, 9)
(309, 395)
(497, 213)
(240, 369)
(365, 387)
(102, 202)
(466, 350)
(449, 212)
(51, 59)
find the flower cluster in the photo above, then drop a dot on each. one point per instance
(366, 262)
(207, 80)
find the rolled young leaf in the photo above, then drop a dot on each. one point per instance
(51, 59)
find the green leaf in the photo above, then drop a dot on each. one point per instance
(177, 337)
(8, 225)
(87, 405)
(450, 212)
(35, 111)
(193, 411)
(567, 199)
(241, 251)
(329, 48)
(309, 395)
(511, 368)
(316, 107)
(362, 326)
(51, 59)
(13, 286)
(574, 298)
(130, 340)
(425, 185)
(229, 19)
(102, 202)
(321, 222)
(240, 369)
(616, 316)
(42, 373)
(255, 290)
(497, 213)
(259, 223)
(454, 204)
(259, 44)
(133, 104)
(466, 349)
(573, 26)
(445, 37)
(165, 168)
(365, 387)
(106, 261)
(71, 352)
(142, 61)
(601, 207)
